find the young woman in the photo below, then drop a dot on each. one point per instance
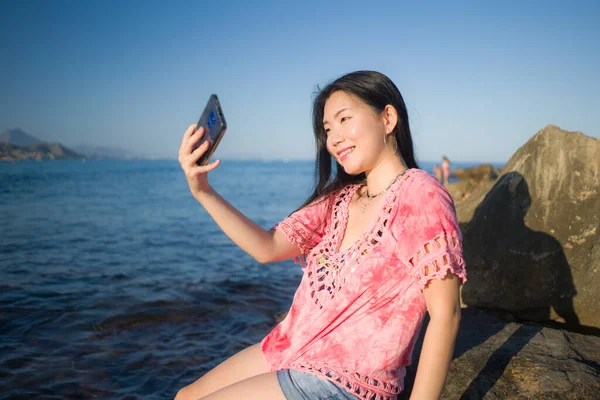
(379, 245)
(446, 169)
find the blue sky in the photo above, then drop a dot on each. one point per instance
(479, 80)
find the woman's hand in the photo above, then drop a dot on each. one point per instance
(197, 176)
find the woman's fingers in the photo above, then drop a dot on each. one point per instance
(189, 156)
(195, 172)
(186, 137)
(196, 154)
(212, 165)
(194, 138)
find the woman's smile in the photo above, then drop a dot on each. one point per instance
(344, 153)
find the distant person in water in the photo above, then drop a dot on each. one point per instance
(379, 246)
(437, 171)
(446, 169)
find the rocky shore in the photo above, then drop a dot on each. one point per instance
(470, 179)
(495, 360)
(38, 151)
(532, 246)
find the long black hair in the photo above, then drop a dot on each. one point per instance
(376, 90)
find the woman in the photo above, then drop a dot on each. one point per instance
(446, 169)
(379, 246)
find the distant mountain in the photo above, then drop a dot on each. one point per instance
(37, 151)
(18, 137)
(108, 152)
(16, 144)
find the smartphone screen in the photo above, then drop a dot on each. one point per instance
(213, 121)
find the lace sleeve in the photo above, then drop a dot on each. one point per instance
(305, 228)
(436, 258)
(429, 239)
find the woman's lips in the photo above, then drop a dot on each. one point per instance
(345, 153)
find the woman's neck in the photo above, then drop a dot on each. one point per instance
(380, 177)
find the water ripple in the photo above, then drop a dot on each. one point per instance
(115, 284)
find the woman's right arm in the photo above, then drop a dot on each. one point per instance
(264, 246)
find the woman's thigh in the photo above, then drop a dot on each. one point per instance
(243, 365)
(260, 387)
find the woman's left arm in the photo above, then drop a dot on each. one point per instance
(443, 305)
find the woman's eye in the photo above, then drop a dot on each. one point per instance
(343, 119)
(327, 130)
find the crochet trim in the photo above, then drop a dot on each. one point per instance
(329, 271)
(298, 235)
(436, 258)
(362, 386)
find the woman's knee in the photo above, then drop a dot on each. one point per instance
(243, 365)
(185, 393)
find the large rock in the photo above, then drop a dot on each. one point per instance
(532, 241)
(478, 174)
(470, 179)
(461, 190)
(494, 359)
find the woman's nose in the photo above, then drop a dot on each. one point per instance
(335, 137)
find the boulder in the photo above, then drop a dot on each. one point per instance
(460, 190)
(532, 237)
(479, 174)
(494, 359)
(470, 179)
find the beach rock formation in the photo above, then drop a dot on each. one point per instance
(532, 237)
(460, 190)
(470, 179)
(494, 359)
(477, 175)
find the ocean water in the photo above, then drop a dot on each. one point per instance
(115, 283)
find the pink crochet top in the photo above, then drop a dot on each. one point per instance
(357, 313)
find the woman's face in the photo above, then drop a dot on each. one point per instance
(355, 132)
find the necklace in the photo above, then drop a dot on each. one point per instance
(371, 197)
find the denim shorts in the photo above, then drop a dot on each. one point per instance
(304, 386)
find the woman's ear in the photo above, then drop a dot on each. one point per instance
(390, 118)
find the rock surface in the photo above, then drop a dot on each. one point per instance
(471, 179)
(494, 359)
(479, 174)
(532, 237)
(461, 190)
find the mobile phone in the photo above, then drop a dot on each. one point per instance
(213, 121)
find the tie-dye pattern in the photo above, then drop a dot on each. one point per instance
(356, 315)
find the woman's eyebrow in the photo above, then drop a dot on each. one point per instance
(336, 114)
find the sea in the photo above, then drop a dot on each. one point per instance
(116, 284)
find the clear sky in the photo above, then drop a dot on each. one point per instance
(479, 80)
